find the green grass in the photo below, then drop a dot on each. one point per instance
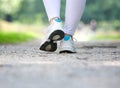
(15, 37)
(106, 37)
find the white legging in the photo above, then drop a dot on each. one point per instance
(74, 11)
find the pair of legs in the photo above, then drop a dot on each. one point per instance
(74, 11)
(55, 32)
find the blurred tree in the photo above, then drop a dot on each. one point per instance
(102, 10)
(63, 2)
(31, 11)
(8, 8)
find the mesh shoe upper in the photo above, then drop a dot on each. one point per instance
(67, 45)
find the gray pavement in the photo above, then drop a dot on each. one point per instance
(95, 65)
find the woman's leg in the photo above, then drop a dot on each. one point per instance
(74, 11)
(52, 8)
(55, 31)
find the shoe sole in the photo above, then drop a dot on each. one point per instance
(51, 45)
(66, 51)
(56, 35)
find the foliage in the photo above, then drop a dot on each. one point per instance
(9, 6)
(111, 25)
(31, 11)
(102, 10)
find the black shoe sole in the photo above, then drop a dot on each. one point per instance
(66, 51)
(50, 45)
(56, 35)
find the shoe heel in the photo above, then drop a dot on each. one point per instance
(57, 35)
(48, 46)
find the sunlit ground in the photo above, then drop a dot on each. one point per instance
(16, 33)
(88, 35)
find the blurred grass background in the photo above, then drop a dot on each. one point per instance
(24, 20)
(15, 37)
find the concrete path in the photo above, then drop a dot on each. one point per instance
(96, 65)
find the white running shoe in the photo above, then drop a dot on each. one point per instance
(53, 33)
(67, 45)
